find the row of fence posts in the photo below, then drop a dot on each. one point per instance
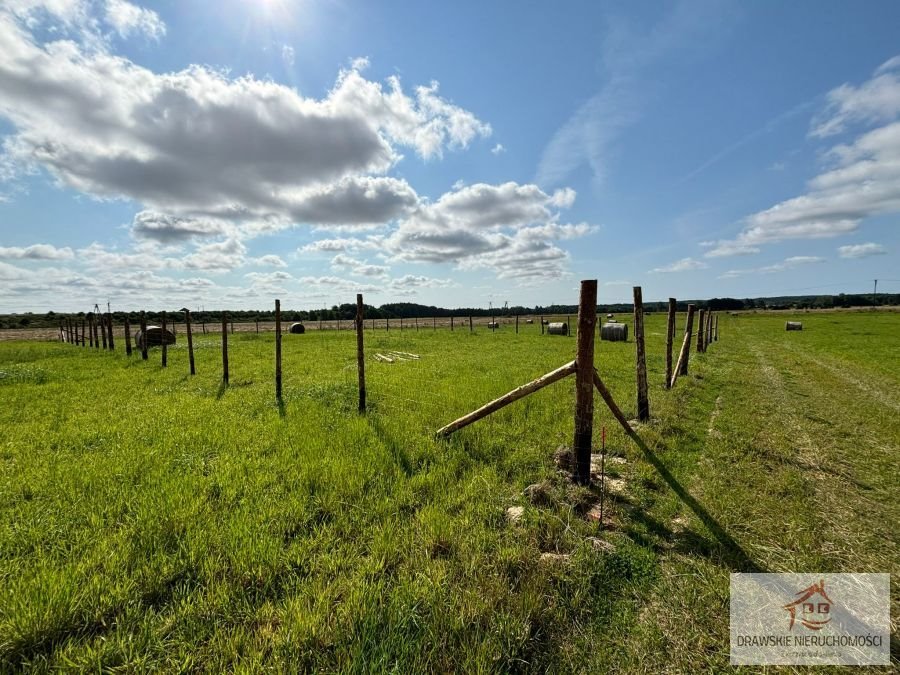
(100, 329)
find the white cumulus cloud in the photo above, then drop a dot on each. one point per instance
(861, 250)
(683, 265)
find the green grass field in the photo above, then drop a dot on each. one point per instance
(157, 521)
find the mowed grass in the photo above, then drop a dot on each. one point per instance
(153, 520)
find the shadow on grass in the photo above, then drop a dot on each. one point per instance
(223, 386)
(736, 557)
(392, 444)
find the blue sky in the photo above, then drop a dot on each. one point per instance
(224, 154)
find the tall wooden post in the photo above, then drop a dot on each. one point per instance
(717, 328)
(232, 326)
(90, 330)
(517, 324)
(360, 355)
(109, 327)
(97, 329)
(401, 324)
(127, 337)
(643, 402)
(681, 368)
(143, 335)
(709, 318)
(568, 326)
(417, 324)
(700, 324)
(584, 381)
(387, 324)
(102, 328)
(190, 339)
(433, 323)
(278, 349)
(470, 324)
(82, 333)
(451, 323)
(165, 348)
(225, 347)
(670, 337)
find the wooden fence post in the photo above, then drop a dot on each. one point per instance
(507, 398)
(360, 355)
(204, 325)
(278, 349)
(417, 324)
(232, 326)
(670, 337)
(257, 325)
(97, 325)
(643, 402)
(700, 323)
(451, 323)
(517, 324)
(190, 338)
(387, 324)
(681, 368)
(568, 326)
(109, 326)
(709, 321)
(717, 327)
(470, 323)
(434, 323)
(165, 349)
(127, 337)
(102, 328)
(143, 335)
(584, 381)
(82, 333)
(225, 347)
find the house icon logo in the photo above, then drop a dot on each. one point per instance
(812, 608)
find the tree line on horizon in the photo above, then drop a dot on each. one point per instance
(411, 310)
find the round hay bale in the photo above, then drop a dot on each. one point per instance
(609, 316)
(793, 325)
(614, 332)
(529, 320)
(298, 328)
(558, 328)
(155, 337)
(493, 325)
